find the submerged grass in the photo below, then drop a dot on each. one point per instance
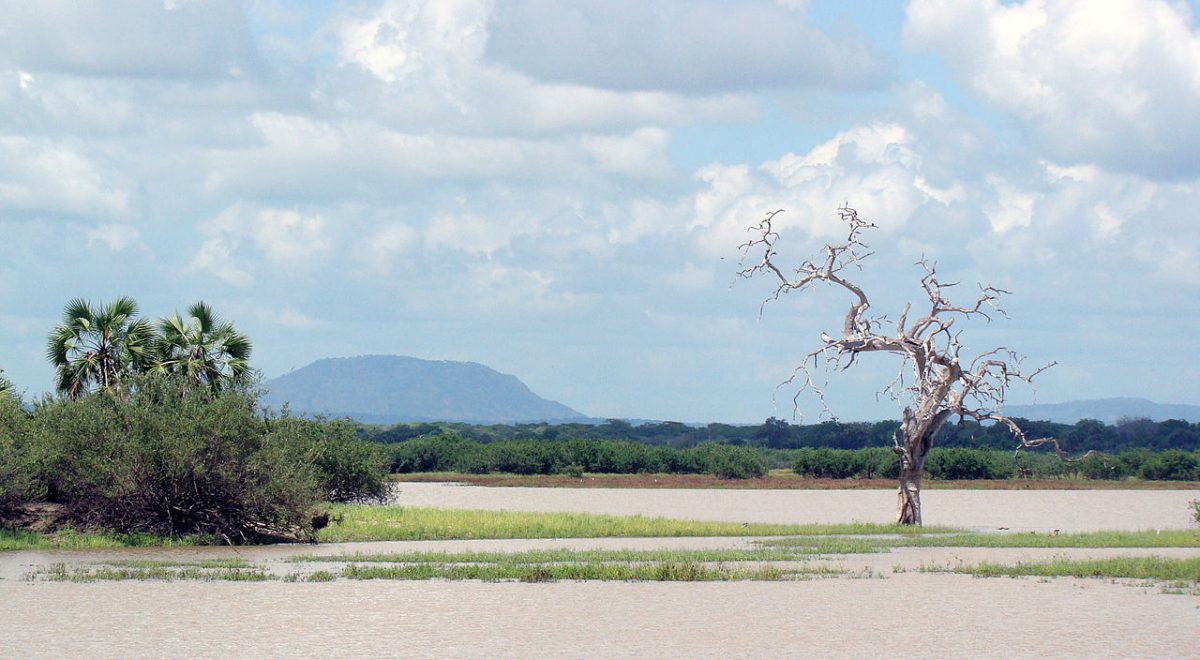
(396, 523)
(539, 566)
(563, 555)
(665, 571)
(1142, 568)
(160, 573)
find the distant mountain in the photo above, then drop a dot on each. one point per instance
(386, 389)
(1105, 410)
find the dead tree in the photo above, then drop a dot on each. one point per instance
(944, 383)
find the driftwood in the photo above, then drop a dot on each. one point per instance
(942, 383)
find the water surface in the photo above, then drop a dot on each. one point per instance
(1025, 510)
(890, 608)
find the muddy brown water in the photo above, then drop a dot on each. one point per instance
(888, 608)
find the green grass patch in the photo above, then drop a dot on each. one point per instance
(1101, 539)
(395, 523)
(73, 540)
(1185, 570)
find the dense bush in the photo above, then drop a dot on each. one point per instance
(1169, 465)
(435, 453)
(172, 459)
(17, 486)
(729, 462)
(347, 468)
(876, 462)
(955, 463)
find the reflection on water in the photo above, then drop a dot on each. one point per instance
(1029, 510)
(912, 613)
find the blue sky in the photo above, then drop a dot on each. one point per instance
(556, 189)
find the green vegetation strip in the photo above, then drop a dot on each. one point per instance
(1142, 568)
(1102, 539)
(394, 523)
(73, 540)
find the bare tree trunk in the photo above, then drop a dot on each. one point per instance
(908, 498)
(912, 441)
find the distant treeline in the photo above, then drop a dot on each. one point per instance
(449, 452)
(775, 433)
(954, 463)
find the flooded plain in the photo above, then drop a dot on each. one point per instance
(885, 606)
(1018, 510)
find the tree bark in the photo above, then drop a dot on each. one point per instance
(908, 497)
(912, 441)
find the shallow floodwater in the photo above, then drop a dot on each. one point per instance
(888, 608)
(1024, 510)
(916, 615)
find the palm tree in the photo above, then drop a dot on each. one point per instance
(202, 348)
(98, 346)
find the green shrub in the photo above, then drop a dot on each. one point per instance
(827, 463)
(175, 460)
(729, 462)
(171, 461)
(1170, 465)
(348, 469)
(17, 481)
(953, 463)
(435, 453)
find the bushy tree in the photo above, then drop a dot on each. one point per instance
(173, 459)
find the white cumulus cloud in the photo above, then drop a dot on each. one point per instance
(1114, 82)
(241, 237)
(692, 46)
(46, 176)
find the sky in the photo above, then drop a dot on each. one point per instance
(557, 188)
